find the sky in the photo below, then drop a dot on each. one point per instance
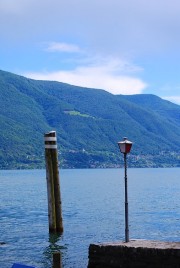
(122, 46)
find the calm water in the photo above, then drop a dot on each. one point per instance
(93, 211)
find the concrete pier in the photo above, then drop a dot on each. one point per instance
(135, 254)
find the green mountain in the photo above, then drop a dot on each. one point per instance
(89, 123)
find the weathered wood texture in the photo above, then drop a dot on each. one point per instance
(135, 254)
(53, 183)
(57, 260)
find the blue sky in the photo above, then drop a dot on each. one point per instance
(122, 46)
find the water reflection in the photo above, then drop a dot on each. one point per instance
(55, 244)
(93, 211)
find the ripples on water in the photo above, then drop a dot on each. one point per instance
(93, 211)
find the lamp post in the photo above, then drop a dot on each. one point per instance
(125, 148)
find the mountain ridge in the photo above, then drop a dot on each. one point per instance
(89, 122)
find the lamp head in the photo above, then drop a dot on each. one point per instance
(125, 146)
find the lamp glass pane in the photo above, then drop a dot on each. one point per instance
(128, 147)
(123, 147)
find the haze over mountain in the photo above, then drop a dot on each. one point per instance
(89, 123)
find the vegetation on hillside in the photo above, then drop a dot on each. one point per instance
(89, 122)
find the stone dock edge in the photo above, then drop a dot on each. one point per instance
(135, 254)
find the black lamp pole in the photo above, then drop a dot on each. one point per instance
(126, 200)
(125, 148)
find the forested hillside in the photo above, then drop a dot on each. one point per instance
(89, 123)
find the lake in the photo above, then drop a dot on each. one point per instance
(93, 211)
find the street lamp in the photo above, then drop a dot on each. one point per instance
(125, 148)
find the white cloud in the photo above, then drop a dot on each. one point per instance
(62, 47)
(113, 76)
(146, 31)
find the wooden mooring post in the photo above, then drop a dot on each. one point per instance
(53, 184)
(57, 263)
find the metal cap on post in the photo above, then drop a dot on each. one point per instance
(50, 140)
